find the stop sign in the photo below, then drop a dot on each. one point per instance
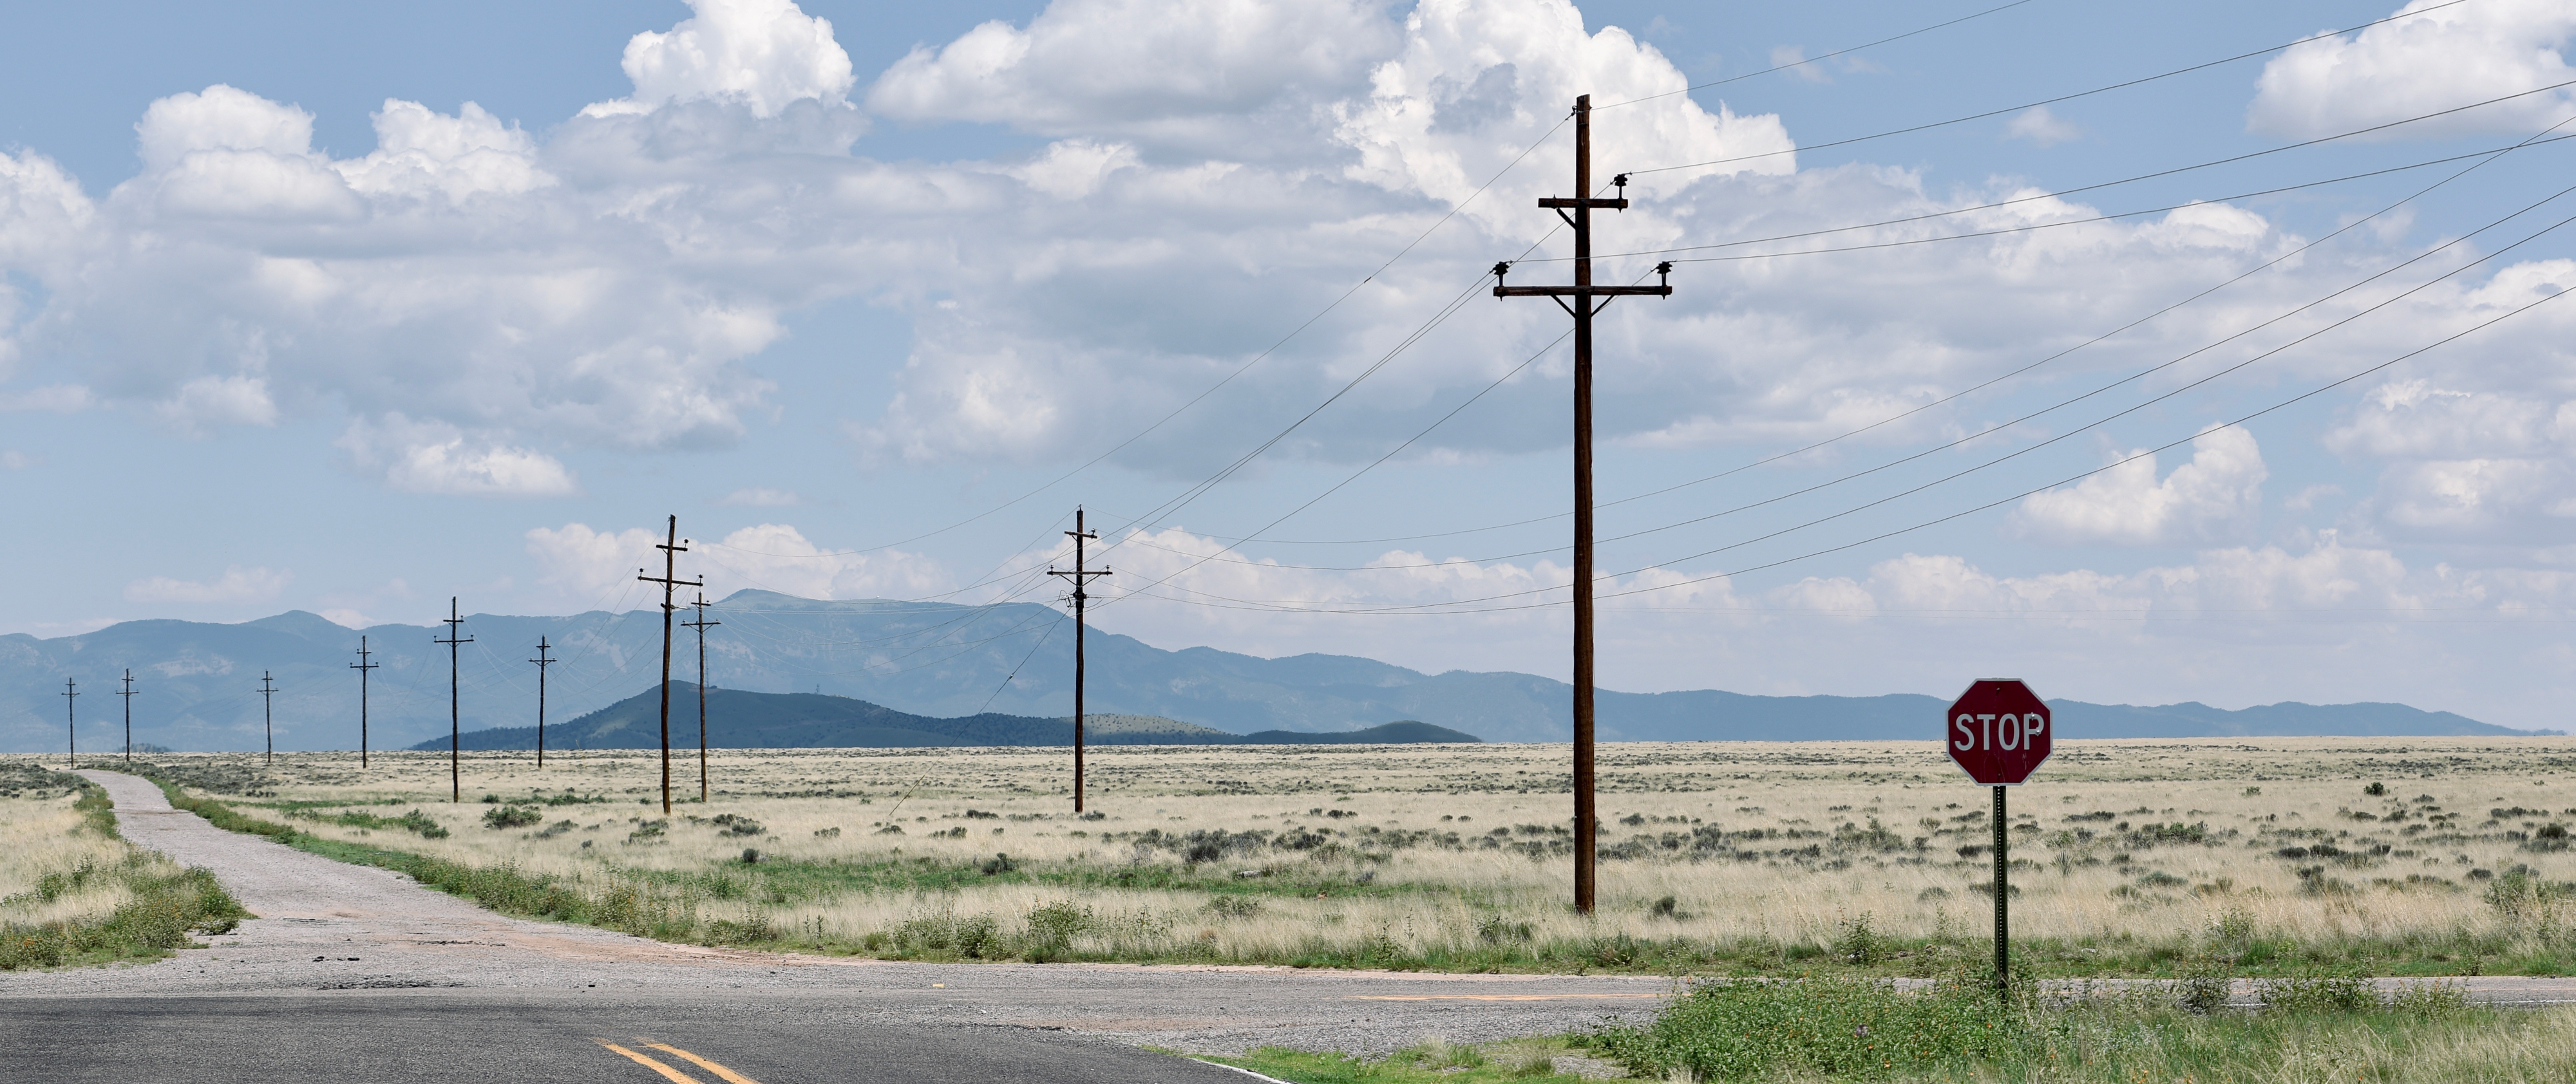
(1998, 730)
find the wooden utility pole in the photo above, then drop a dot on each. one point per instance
(670, 580)
(71, 726)
(542, 662)
(1080, 576)
(701, 625)
(128, 694)
(362, 666)
(267, 717)
(455, 728)
(1583, 308)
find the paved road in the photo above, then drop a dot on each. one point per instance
(355, 973)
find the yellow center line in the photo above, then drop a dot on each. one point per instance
(1486, 997)
(676, 1076)
(728, 1074)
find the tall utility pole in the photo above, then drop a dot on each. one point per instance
(71, 726)
(670, 580)
(455, 729)
(267, 718)
(542, 662)
(1583, 308)
(701, 625)
(1080, 576)
(362, 666)
(128, 694)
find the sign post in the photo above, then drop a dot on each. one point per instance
(1999, 733)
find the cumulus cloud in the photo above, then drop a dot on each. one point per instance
(2450, 55)
(583, 564)
(13, 459)
(237, 584)
(586, 564)
(2214, 494)
(434, 457)
(1175, 74)
(763, 54)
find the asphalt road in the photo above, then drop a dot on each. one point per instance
(774, 1038)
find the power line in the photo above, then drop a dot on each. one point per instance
(1817, 58)
(2051, 101)
(2485, 157)
(1457, 606)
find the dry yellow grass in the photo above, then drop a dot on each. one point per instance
(1442, 848)
(40, 834)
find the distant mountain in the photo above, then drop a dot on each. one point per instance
(197, 683)
(748, 720)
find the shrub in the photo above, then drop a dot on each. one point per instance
(1858, 943)
(2317, 993)
(511, 816)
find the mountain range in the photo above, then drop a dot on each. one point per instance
(747, 720)
(197, 683)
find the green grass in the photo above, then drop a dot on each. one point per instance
(2323, 1027)
(1493, 1063)
(166, 907)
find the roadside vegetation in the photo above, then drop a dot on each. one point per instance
(2311, 1028)
(2419, 857)
(73, 892)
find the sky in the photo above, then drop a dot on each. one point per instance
(358, 309)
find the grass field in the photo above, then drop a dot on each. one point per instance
(2424, 856)
(73, 892)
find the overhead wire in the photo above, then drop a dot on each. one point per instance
(1459, 605)
(2061, 404)
(2543, 136)
(2409, 14)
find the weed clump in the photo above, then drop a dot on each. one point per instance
(511, 816)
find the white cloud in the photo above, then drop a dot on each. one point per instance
(2453, 56)
(583, 566)
(777, 557)
(210, 402)
(237, 584)
(13, 459)
(761, 497)
(1174, 74)
(2038, 125)
(419, 151)
(763, 54)
(434, 457)
(2213, 495)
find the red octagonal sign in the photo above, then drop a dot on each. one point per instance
(1998, 731)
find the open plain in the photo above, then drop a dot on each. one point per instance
(2399, 856)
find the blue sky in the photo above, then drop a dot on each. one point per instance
(287, 325)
